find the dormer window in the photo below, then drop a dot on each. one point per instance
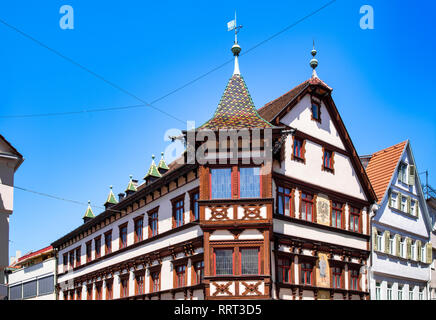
(316, 111)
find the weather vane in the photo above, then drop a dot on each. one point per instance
(232, 25)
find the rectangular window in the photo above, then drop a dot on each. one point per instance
(88, 251)
(223, 261)
(391, 245)
(413, 251)
(249, 260)
(306, 273)
(71, 259)
(402, 251)
(354, 279)
(297, 151)
(316, 114)
(79, 293)
(109, 287)
(402, 173)
(139, 224)
(153, 224)
(249, 182)
(221, 183)
(98, 295)
(199, 272)
(15, 292)
(284, 199)
(195, 212)
(123, 236)
(411, 293)
(394, 199)
(178, 213)
(29, 289)
(423, 256)
(108, 242)
(284, 270)
(65, 260)
(336, 214)
(89, 292)
(337, 277)
(155, 281)
(139, 284)
(78, 256)
(404, 204)
(306, 207)
(45, 285)
(328, 160)
(354, 219)
(124, 287)
(389, 292)
(400, 293)
(421, 294)
(377, 291)
(97, 245)
(180, 276)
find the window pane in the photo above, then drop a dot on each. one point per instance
(29, 289)
(221, 183)
(46, 285)
(250, 182)
(224, 261)
(15, 292)
(249, 261)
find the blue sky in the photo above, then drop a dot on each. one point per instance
(382, 79)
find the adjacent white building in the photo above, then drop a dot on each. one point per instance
(401, 250)
(10, 160)
(32, 276)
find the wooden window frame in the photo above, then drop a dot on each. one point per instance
(125, 277)
(233, 182)
(88, 257)
(192, 202)
(140, 273)
(236, 260)
(174, 203)
(97, 255)
(109, 292)
(150, 214)
(176, 275)
(240, 260)
(291, 195)
(120, 241)
(233, 260)
(313, 201)
(350, 279)
(351, 214)
(135, 235)
(194, 271)
(78, 256)
(155, 269)
(312, 272)
(341, 275)
(302, 150)
(342, 207)
(318, 104)
(99, 290)
(330, 169)
(238, 177)
(290, 268)
(89, 291)
(107, 250)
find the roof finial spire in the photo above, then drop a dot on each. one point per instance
(236, 49)
(314, 62)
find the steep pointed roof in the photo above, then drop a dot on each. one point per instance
(162, 164)
(153, 171)
(131, 186)
(111, 197)
(382, 166)
(88, 212)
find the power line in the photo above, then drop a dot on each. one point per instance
(134, 96)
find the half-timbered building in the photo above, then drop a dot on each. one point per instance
(271, 203)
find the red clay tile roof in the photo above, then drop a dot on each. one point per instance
(32, 254)
(381, 167)
(236, 109)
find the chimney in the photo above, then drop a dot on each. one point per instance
(120, 196)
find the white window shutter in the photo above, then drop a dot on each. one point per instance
(374, 238)
(411, 175)
(387, 235)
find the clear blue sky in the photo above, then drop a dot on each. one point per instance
(383, 81)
